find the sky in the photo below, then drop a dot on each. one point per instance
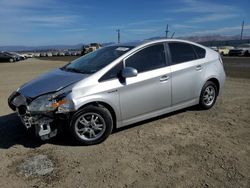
(50, 22)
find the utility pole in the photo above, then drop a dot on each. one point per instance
(118, 35)
(167, 31)
(242, 28)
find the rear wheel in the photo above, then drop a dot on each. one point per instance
(208, 95)
(91, 125)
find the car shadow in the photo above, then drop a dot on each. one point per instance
(193, 108)
(12, 132)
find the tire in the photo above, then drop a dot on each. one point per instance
(11, 60)
(208, 95)
(91, 125)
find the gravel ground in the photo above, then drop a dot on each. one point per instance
(188, 148)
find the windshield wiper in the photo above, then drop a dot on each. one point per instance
(74, 70)
(71, 70)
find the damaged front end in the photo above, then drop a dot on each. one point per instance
(42, 113)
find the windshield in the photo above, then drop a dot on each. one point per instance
(96, 60)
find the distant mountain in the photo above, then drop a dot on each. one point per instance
(108, 43)
(205, 39)
(40, 48)
(214, 40)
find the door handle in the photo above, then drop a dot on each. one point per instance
(198, 67)
(164, 78)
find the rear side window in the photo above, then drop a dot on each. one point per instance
(201, 53)
(181, 52)
(147, 59)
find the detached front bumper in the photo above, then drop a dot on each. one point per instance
(45, 124)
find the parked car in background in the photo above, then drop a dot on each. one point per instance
(43, 54)
(49, 54)
(241, 50)
(37, 54)
(90, 48)
(215, 48)
(55, 53)
(29, 55)
(119, 85)
(19, 56)
(74, 53)
(5, 57)
(14, 56)
(61, 54)
(95, 45)
(67, 53)
(224, 50)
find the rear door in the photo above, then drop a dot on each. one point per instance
(187, 70)
(150, 90)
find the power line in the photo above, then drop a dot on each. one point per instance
(172, 35)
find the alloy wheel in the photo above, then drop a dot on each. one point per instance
(90, 126)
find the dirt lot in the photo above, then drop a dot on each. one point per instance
(189, 148)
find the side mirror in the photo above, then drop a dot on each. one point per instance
(128, 72)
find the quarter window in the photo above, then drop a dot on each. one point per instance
(181, 52)
(150, 58)
(201, 53)
(112, 73)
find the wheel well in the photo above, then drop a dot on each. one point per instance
(107, 106)
(216, 82)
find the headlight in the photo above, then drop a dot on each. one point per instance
(50, 102)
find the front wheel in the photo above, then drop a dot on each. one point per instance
(91, 125)
(11, 60)
(208, 95)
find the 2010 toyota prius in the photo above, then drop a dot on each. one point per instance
(119, 85)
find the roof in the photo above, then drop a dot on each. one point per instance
(138, 43)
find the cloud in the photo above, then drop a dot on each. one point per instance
(50, 20)
(183, 26)
(208, 11)
(213, 17)
(196, 6)
(224, 30)
(74, 30)
(40, 13)
(138, 23)
(143, 30)
(150, 21)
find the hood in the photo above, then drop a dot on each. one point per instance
(50, 82)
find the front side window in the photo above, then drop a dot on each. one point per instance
(181, 52)
(147, 59)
